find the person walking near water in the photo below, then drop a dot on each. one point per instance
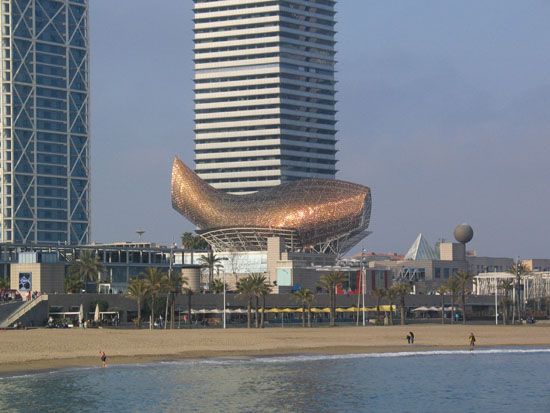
(472, 340)
(103, 358)
(412, 336)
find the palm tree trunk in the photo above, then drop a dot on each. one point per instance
(303, 315)
(332, 307)
(452, 308)
(309, 316)
(391, 313)
(189, 314)
(139, 313)
(442, 308)
(166, 311)
(463, 307)
(403, 310)
(377, 309)
(249, 313)
(152, 310)
(257, 315)
(262, 319)
(173, 311)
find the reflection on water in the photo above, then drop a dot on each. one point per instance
(500, 380)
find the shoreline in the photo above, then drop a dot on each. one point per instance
(66, 364)
(44, 350)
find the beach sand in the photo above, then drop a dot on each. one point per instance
(47, 349)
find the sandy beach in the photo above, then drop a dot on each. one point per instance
(45, 349)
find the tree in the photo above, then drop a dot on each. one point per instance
(264, 290)
(507, 285)
(392, 296)
(453, 286)
(304, 297)
(172, 286)
(4, 283)
(155, 280)
(519, 270)
(73, 284)
(379, 294)
(189, 294)
(259, 281)
(217, 286)
(329, 283)
(87, 267)
(402, 290)
(464, 278)
(209, 261)
(189, 241)
(442, 290)
(247, 288)
(137, 290)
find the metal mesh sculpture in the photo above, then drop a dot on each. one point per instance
(309, 213)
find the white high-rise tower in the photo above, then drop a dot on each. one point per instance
(264, 92)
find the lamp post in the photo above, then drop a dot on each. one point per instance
(363, 283)
(224, 293)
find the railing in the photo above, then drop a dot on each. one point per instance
(24, 309)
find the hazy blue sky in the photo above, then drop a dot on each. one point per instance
(444, 111)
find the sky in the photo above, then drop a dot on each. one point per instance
(443, 111)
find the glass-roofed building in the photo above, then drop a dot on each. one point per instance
(45, 166)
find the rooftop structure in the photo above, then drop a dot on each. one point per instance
(421, 250)
(264, 92)
(310, 214)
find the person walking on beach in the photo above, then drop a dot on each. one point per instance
(412, 336)
(408, 339)
(103, 358)
(472, 340)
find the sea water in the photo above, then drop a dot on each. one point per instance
(493, 380)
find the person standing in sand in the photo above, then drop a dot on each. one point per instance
(472, 340)
(103, 357)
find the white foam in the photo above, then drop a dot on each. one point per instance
(294, 359)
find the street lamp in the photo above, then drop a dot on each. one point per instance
(224, 292)
(363, 283)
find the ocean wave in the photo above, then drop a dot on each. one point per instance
(227, 361)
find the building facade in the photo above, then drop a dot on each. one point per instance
(44, 133)
(264, 92)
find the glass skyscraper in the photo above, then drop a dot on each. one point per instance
(264, 92)
(44, 143)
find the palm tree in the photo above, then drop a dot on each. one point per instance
(329, 283)
(171, 287)
(87, 267)
(193, 242)
(217, 286)
(4, 283)
(392, 296)
(464, 278)
(209, 261)
(264, 290)
(73, 284)
(453, 286)
(155, 280)
(519, 270)
(442, 290)
(137, 289)
(379, 294)
(402, 290)
(507, 285)
(247, 288)
(189, 293)
(304, 296)
(259, 281)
